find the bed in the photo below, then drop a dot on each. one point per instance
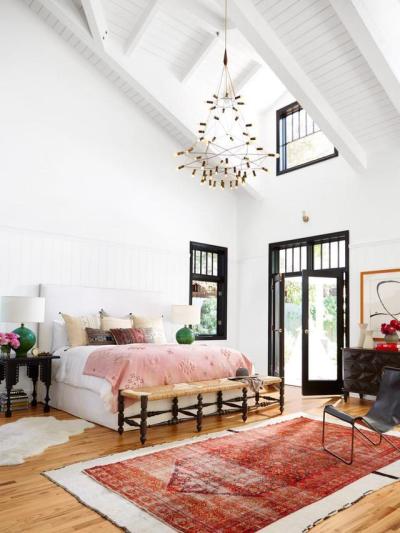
(88, 396)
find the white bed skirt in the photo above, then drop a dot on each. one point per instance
(88, 405)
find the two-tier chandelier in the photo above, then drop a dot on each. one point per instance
(226, 151)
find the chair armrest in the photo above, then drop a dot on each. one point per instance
(331, 410)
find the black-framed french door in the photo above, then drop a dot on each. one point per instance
(322, 331)
(309, 292)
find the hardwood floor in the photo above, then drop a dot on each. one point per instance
(31, 503)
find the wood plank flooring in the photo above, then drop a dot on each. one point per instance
(31, 503)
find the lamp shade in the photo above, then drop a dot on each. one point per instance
(22, 309)
(185, 314)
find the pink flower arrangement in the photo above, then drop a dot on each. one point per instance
(391, 328)
(10, 339)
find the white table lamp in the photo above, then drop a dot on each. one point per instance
(21, 310)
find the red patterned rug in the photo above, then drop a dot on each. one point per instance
(243, 482)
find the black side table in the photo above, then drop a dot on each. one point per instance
(36, 367)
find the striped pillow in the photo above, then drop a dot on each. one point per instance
(128, 335)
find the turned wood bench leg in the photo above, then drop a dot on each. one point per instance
(143, 419)
(281, 396)
(121, 407)
(199, 412)
(175, 410)
(219, 402)
(244, 405)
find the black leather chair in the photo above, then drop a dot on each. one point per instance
(381, 418)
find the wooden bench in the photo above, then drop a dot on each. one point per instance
(196, 388)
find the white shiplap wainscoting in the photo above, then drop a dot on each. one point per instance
(30, 258)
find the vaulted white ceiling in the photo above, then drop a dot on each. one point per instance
(335, 56)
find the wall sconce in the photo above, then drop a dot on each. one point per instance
(306, 217)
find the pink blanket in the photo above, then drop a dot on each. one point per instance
(132, 366)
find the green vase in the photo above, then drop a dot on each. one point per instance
(27, 340)
(185, 336)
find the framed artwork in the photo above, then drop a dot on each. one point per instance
(379, 298)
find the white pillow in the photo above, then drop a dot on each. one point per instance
(157, 335)
(60, 336)
(112, 322)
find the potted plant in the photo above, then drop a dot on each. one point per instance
(390, 331)
(8, 341)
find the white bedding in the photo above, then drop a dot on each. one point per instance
(69, 370)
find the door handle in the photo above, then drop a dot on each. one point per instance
(306, 331)
(280, 330)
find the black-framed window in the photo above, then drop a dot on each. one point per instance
(300, 141)
(208, 289)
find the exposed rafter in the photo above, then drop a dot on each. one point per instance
(270, 48)
(244, 77)
(96, 20)
(141, 25)
(361, 25)
(204, 50)
(116, 62)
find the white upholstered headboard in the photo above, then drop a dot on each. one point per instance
(88, 300)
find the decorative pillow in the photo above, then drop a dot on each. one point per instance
(112, 322)
(155, 324)
(76, 327)
(60, 336)
(99, 337)
(128, 335)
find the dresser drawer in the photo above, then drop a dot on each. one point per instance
(362, 369)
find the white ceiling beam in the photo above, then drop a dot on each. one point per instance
(96, 20)
(141, 25)
(362, 27)
(270, 48)
(244, 77)
(204, 50)
(116, 62)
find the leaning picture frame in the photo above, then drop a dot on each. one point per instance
(379, 298)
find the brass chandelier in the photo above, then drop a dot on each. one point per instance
(226, 152)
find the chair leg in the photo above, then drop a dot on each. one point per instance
(349, 462)
(386, 439)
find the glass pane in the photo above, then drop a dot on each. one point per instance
(296, 259)
(295, 126)
(289, 122)
(317, 256)
(197, 255)
(325, 255)
(204, 262)
(302, 123)
(322, 329)
(342, 254)
(304, 258)
(334, 254)
(204, 294)
(293, 330)
(310, 125)
(215, 264)
(281, 261)
(289, 260)
(209, 264)
(308, 149)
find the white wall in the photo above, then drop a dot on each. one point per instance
(89, 189)
(336, 198)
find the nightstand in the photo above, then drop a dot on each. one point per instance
(36, 367)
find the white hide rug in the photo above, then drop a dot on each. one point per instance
(132, 519)
(33, 435)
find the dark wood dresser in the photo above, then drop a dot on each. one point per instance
(362, 369)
